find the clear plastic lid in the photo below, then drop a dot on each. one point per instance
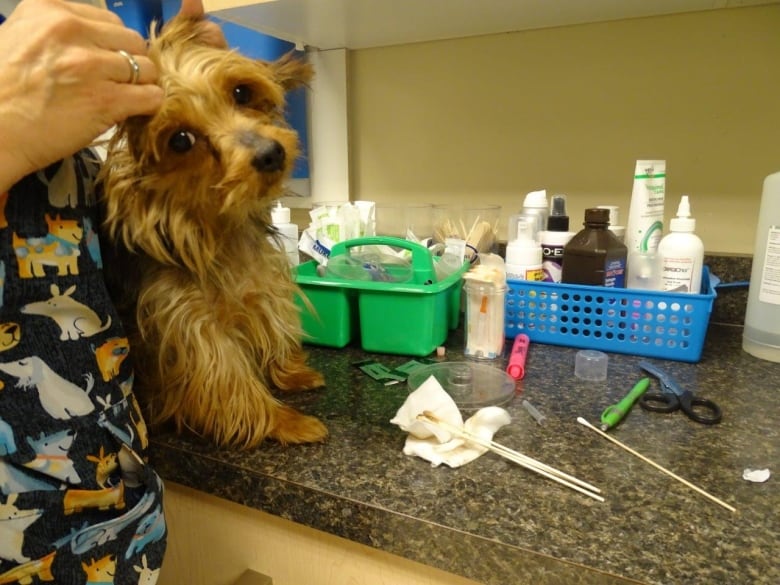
(471, 385)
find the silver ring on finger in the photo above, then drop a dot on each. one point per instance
(135, 69)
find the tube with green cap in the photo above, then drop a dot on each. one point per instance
(612, 415)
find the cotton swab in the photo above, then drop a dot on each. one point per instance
(582, 421)
(516, 457)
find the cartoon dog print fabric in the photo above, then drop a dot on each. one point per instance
(72, 509)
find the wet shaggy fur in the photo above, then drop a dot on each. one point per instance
(187, 194)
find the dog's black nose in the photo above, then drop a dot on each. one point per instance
(269, 156)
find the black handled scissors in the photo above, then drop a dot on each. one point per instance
(673, 397)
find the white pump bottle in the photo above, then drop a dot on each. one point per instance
(682, 253)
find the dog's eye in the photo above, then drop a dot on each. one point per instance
(242, 94)
(181, 141)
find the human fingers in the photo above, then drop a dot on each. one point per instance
(85, 10)
(114, 37)
(131, 100)
(128, 68)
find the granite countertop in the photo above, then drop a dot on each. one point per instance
(497, 523)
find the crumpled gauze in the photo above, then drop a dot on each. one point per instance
(431, 397)
(436, 445)
(756, 475)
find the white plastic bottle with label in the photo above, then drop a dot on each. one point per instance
(682, 253)
(761, 335)
(523, 253)
(288, 233)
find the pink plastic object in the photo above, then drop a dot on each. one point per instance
(516, 366)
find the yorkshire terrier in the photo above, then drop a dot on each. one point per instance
(187, 192)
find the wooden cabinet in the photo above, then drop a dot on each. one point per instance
(213, 542)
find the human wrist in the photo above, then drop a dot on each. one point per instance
(13, 168)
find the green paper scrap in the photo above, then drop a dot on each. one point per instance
(382, 373)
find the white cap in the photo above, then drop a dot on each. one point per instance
(279, 214)
(683, 222)
(536, 199)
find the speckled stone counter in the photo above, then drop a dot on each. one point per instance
(499, 524)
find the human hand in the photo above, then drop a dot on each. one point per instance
(63, 82)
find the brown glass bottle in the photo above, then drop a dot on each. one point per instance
(594, 256)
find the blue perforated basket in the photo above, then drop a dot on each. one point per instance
(664, 325)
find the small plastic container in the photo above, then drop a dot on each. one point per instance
(484, 320)
(591, 365)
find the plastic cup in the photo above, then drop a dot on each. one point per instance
(477, 225)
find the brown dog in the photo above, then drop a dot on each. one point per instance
(188, 193)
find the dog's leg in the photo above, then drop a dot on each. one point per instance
(294, 374)
(211, 383)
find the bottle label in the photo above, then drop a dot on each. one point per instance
(533, 273)
(552, 262)
(615, 273)
(677, 274)
(770, 276)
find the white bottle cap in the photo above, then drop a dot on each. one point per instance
(536, 199)
(683, 222)
(279, 214)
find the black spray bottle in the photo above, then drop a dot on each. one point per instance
(554, 238)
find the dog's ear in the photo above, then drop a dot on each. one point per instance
(193, 29)
(291, 72)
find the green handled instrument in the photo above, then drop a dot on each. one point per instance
(612, 415)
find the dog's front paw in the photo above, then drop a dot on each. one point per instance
(303, 378)
(290, 426)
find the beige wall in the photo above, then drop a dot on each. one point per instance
(570, 109)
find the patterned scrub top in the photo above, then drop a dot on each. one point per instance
(78, 505)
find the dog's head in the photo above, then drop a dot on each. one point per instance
(215, 154)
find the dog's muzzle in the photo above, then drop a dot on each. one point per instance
(269, 155)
